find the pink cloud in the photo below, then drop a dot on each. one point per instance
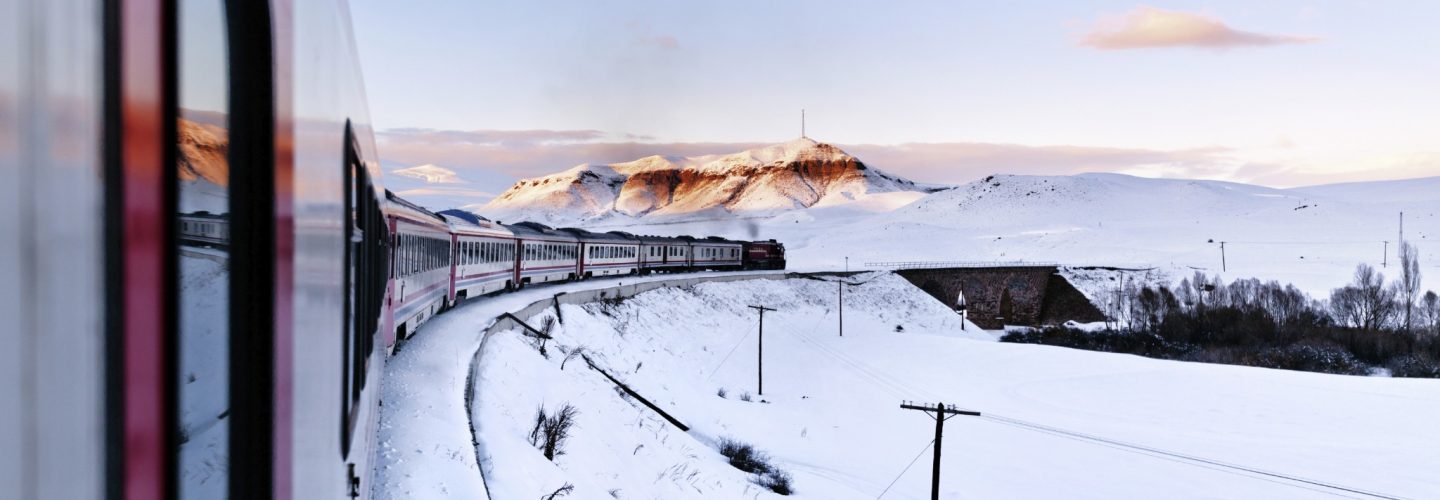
(1149, 27)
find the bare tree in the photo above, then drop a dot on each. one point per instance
(1430, 311)
(1366, 303)
(1409, 281)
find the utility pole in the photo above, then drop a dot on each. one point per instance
(1385, 256)
(760, 353)
(1223, 267)
(841, 284)
(802, 122)
(942, 413)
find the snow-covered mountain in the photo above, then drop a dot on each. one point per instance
(203, 167)
(798, 174)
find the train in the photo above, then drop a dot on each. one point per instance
(442, 258)
(208, 271)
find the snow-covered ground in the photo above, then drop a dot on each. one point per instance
(830, 411)
(1310, 237)
(425, 448)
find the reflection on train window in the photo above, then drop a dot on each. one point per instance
(203, 226)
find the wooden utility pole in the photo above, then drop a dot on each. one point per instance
(841, 287)
(760, 353)
(1385, 256)
(1223, 267)
(942, 413)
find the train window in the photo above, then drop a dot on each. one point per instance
(365, 256)
(202, 179)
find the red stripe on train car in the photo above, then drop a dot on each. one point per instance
(147, 277)
(284, 48)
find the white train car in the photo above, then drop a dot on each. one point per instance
(663, 254)
(544, 255)
(607, 254)
(714, 253)
(484, 256)
(420, 264)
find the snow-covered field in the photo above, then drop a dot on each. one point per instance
(830, 411)
(424, 442)
(1309, 237)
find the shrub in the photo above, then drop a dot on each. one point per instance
(1414, 366)
(551, 430)
(745, 457)
(777, 481)
(745, 396)
(721, 392)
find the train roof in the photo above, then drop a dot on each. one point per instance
(202, 214)
(613, 236)
(709, 239)
(536, 229)
(406, 204)
(480, 226)
(470, 217)
(650, 239)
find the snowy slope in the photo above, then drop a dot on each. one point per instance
(1312, 237)
(830, 412)
(797, 174)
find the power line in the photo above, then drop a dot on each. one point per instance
(1190, 458)
(907, 469)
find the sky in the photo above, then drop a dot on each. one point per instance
(1279, 93)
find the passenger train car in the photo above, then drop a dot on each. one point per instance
(213, 273)
(443, 258)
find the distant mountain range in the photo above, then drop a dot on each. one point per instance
(798, 174)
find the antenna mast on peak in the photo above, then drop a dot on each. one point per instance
(802, 123)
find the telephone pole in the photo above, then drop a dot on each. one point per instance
(1223, 267)
(1385, 256)
(760, 353)
(942, 412)
(840, 284)
(802, 122)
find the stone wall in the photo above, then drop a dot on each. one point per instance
(1008, 295)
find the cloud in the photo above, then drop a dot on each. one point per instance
(1149, 27)
(488, 137)
(431, 173)
(668, 42)
(958, 162)
(448, 192)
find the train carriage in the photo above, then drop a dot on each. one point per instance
(544, 254)
(484, 260)
(663, 254)
(715, 253)
(606, 254)
(420, 265)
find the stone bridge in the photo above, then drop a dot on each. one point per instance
(1006, 294)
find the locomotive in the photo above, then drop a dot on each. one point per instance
(208, 271)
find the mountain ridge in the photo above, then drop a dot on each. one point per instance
(797, 174)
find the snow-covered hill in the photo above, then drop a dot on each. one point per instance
(830, 411)
(203, 166)
(1312, 237)
(798, 174)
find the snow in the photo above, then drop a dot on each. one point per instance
(424, 439)
(204, 391)
(1166, 228)
(829, 414)
(669, 189)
